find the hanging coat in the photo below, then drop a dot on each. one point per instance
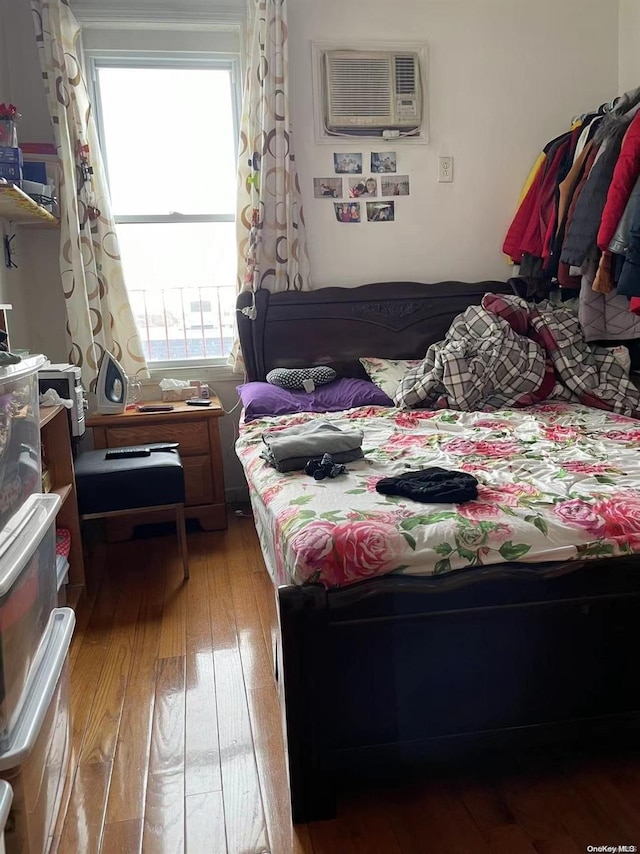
(620, 241)
(529, 204)
(623, 181)
(629, 282)
(582, 233)
(535, 235)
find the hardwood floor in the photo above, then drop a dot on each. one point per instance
(177, 743)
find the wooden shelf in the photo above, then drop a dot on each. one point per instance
(47, 413)
(58, 456)
(18, 207)
(63, 491)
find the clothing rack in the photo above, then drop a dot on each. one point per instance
(577, 226)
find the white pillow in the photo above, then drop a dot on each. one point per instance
(387, 373)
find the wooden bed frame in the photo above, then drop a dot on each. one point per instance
(387, 675)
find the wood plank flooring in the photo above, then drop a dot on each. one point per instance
(177, 745)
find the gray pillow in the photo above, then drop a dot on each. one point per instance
(301, 378)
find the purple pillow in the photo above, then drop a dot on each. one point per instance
(261, 400)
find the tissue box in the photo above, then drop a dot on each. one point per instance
(171, 395)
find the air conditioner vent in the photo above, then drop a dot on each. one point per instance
(405, 75)
(371, 91)
(359, 87)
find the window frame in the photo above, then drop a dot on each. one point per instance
(96, 59)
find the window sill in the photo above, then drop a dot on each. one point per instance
(197, 371)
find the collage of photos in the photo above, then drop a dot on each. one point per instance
(382, 182)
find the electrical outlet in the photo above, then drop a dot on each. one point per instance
(445, 170)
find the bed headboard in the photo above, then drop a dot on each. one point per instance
(335, 326)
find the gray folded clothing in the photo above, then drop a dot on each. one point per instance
(298, 463)
(312, 439)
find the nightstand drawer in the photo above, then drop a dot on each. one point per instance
(198, 480)
(193, 436)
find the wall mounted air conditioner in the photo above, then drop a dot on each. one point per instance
(372, 91)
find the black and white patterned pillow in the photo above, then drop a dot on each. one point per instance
(301, 378)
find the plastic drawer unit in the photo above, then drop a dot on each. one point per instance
(20, 462)
(6, 796)
(62, 579)
(37, 760)
(28, 595)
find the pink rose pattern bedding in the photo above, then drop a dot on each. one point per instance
(556, 482)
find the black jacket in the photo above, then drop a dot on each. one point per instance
(629, 282)
(582, 233)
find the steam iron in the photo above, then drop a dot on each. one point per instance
(111, 388)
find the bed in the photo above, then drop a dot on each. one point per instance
(452, 650)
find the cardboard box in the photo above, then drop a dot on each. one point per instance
(10, 155)
(46, 148)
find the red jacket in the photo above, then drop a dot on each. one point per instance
(524, 215)
(536, 238)
(624, 178)
(528, 214)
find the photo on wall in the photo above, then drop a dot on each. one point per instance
(381, 211)
(347, 211)
(396, 186)
(327, 188)
(363, 187)
(383, 161)
(347, 164)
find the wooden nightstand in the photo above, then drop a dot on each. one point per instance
(196, 428)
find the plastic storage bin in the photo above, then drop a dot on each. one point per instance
(6, 796)
(62, 579)
(28, 595)
(20, 464)
(37, 760)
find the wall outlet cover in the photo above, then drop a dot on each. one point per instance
(445, 170)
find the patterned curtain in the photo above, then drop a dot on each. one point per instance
(99, 315)
(272, 243)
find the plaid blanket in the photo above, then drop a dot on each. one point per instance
(506, 353)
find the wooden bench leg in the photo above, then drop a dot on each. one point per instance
(182, 539)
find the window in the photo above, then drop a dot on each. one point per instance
(168, 132)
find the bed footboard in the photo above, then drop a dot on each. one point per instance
(387, 676)
(304, 631)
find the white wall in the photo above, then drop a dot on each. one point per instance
(505, 77)
(629, 59)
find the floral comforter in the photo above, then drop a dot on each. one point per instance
(556, 482)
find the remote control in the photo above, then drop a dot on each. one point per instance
(156, 407)
(124, 453)
(198, 401)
